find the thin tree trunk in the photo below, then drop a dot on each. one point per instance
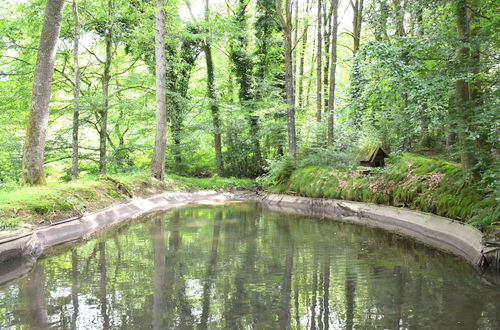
(106, 77)
(214, 107)
(295, 38)
(158, 162)
(34, 144)
(467, 156)
(319, 67)
(357, 20)
(300, 77)
(311, 72)
(327, 23)
(333, 67)
(286, 25)
(76, 100)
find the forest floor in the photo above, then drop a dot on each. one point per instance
(410, 180)
(24, 208)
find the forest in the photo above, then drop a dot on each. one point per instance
(254, 89)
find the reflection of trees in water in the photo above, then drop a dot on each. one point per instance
(211, 272)
(35, 300)
(236, 268)
(103, 281)
(159, 254)
(74, 287)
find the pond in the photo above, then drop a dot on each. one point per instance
(242, 266)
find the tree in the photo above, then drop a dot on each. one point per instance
(212, 97)
(158, 162)
(286, 25)
(34, 145)
(319, 67)
(333, 67)
(357, 20)
(462, 88)
(76, 98)
(106, 77)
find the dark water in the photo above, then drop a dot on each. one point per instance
(242, 267)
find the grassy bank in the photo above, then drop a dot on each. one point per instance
(28, 207)
(410, 180)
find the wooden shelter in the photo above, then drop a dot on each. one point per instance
(372, 156)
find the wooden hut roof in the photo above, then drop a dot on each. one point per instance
(368, 153)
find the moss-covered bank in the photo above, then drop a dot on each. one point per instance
(23, 208)
(413, 181)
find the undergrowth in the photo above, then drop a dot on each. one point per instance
(409, 180)
(35, 205)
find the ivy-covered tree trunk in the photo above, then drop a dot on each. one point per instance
(214, 107)
(333, 68)
(34, 144)
(212, 98)
(243, 69)
(158, 162)
(286, 25)
(76, 98)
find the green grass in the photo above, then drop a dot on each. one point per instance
(409, 180)
(56, 200)
(6, 223)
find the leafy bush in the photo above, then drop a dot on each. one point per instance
(279, 171)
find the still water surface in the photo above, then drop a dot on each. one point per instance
(240, 266)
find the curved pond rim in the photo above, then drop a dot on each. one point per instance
(438, 232)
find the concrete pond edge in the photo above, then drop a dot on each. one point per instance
(442, 233)
(18, 254)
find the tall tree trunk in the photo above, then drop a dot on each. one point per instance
(34, 143)
(333, 67)
(286, 25)
(300, 77)
(357, 19)
(106, 77)
(464, 112)
(76, 99)
(212, 97)
(319, 67)
(295, 38)
(327, 23)
(158, 162)
(214, 107)
(311, 72)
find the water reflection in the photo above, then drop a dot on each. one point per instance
(242, 267)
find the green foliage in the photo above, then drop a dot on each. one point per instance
(279, 171)
(410, 180)
(6, 223)
(60, 200)
(215, 182)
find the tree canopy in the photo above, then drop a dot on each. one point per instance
(247, 83)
